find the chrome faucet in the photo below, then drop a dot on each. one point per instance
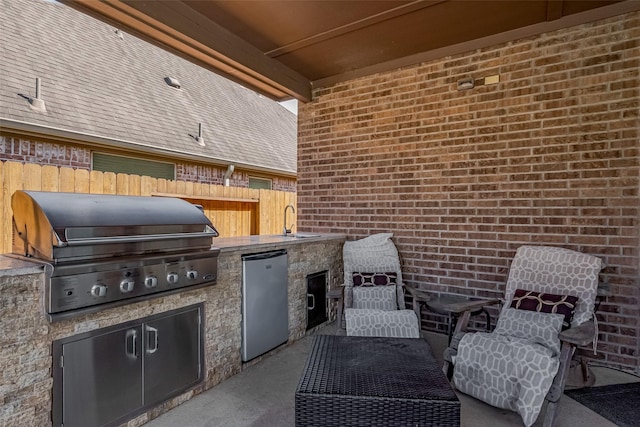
(286, 230)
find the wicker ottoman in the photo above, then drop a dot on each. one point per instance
(372, 381)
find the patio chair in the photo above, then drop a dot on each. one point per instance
(548, 311)
(373, 290)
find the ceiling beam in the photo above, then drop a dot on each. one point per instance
(403, 9)
(196, 38)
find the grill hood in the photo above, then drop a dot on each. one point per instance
(71, 227)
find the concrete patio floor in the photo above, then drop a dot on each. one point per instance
(262, 395)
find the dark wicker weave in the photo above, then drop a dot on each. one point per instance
(366, 381)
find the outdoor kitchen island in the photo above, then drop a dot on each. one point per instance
(26, 336)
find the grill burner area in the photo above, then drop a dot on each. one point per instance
(126, 279)
(103, 251)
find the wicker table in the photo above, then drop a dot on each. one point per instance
(366, 381)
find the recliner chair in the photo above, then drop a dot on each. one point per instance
(373, 294)
(548, 311)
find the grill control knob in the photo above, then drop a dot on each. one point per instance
(126, 286)
(173, 278)
(192, 274)
(99, 290)
(150, 281)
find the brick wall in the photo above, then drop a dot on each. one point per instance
(549, 155)
(30, 150)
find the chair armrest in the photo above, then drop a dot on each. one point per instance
(580, 335)
(417, 293)
(336, 292)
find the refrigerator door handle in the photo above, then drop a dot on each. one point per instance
(264, 255)
(151, 332)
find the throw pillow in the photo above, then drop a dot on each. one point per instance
(533, 326)
(375, 279)
(546, 303)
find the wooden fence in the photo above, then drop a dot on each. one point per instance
(234, 211)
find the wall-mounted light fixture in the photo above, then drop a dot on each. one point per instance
(466, 83)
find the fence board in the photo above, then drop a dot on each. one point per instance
(147, 185)
(134, 185)
(245, 211)
(50, 178)
(32, 177)
(96, 182)
(12, 181)
(81, 181)
(110, 181)
(162, 185)
(122, 183)
(66, 180)
(3, 203)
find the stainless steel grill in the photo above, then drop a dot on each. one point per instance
(108, 250)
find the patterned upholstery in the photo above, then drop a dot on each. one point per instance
(375, 310)
(375, 253)
(556, 271)
(539, 328)
(495, 378)
(379, 323)
(514, 367)
(375, 297)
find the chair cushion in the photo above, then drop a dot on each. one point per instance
(375, 297)
(375, 279)
(556, 270)
(379, 323)
(534, 326)
(373, 253)
(506, 372)
(546, 303)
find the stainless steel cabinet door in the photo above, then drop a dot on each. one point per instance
(102, 377)
(172, 355)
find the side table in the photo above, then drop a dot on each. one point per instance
(451, 306)
(337, 294)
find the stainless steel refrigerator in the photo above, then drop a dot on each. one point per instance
(265, 308)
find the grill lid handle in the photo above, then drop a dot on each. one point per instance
(135, 239)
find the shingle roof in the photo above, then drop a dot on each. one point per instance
(96, 83)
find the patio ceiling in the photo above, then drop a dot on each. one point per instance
(283, 49)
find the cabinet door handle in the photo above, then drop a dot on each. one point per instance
(313, 301)
(130, 344)
(152, 332)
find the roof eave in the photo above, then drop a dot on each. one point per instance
(70, 136)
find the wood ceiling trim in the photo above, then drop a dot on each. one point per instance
(259, 72)
(353, 26)
(554, 9)
(492, 40)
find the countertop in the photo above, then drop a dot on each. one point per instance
(227, 244)
(10, 266)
